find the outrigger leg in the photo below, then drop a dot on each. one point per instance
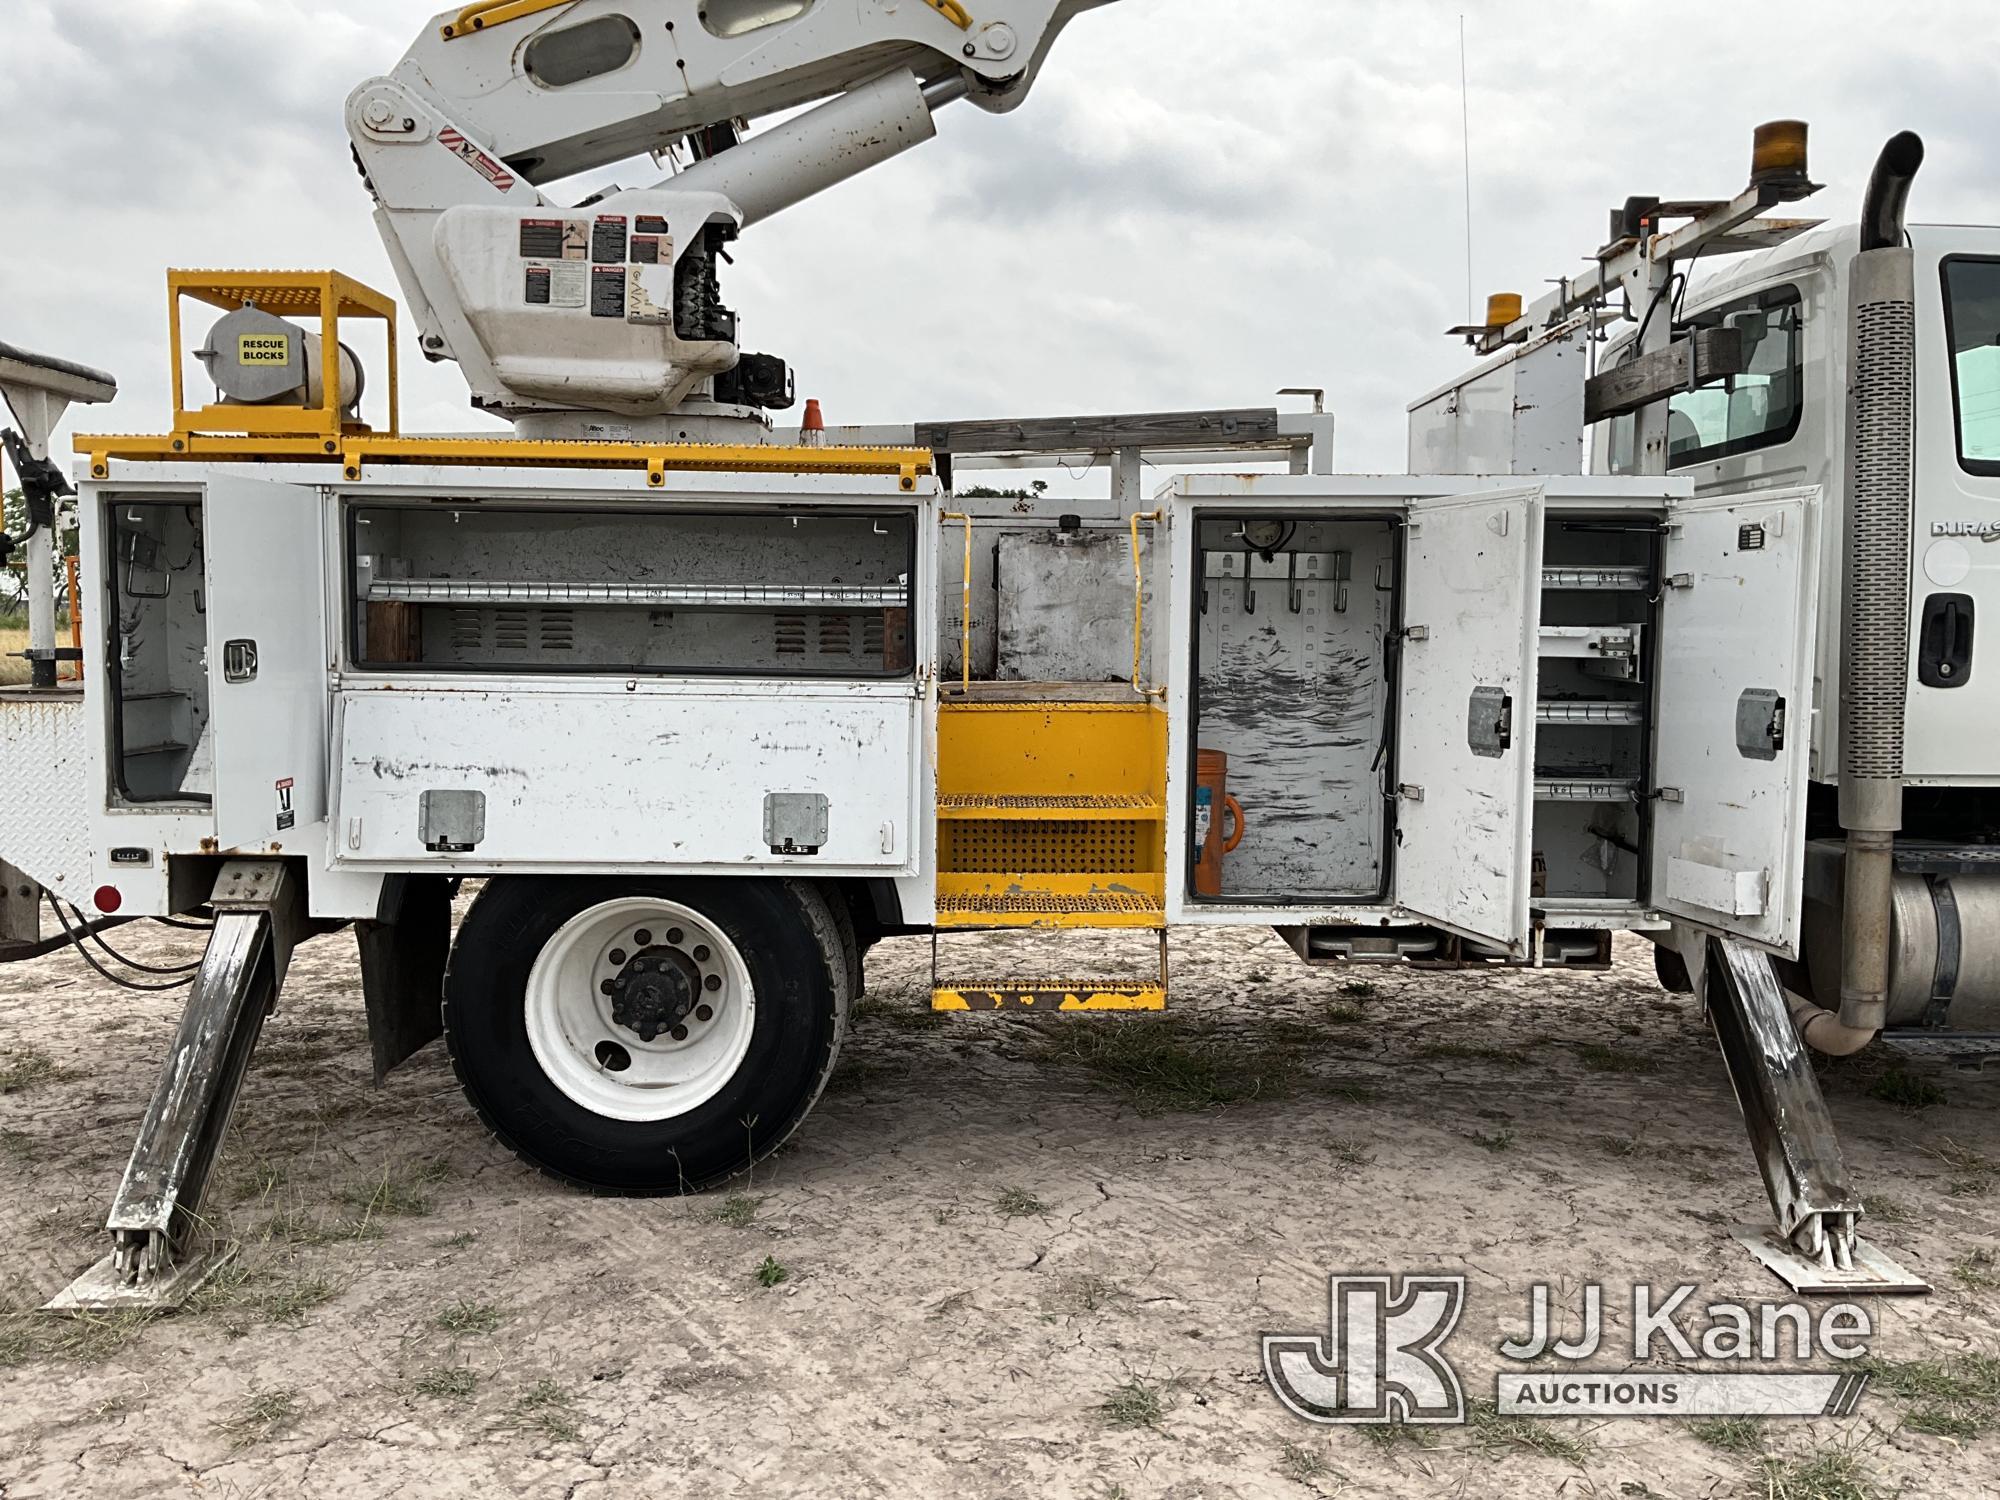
(155, 1218)
(1815, 1245)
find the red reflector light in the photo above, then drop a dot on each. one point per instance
(107, 898)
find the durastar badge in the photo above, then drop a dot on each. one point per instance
(1986, 531)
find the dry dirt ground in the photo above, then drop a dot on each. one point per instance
(1006, 1258)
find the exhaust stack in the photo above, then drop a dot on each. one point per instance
(1875, 655)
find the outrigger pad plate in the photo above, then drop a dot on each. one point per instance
(101, 1289)
(1873, 1273)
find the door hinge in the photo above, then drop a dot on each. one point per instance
(1409, 793)
(1680, 580)
(1416, 632)
(1669, 794)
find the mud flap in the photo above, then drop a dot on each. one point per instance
(403, 953)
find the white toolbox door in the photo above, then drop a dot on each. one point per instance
(267, 668)
(1733, 723)
(1465, 755)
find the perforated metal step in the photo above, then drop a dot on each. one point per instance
(981, 807)
(1048, 995)
(1046, 908)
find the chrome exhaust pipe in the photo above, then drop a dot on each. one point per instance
(1875, 655)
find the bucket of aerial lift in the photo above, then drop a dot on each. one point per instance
(1212, 806)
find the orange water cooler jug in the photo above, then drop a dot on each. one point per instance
(1213, 806)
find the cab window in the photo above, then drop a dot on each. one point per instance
(1733, 414)
(1972, 319)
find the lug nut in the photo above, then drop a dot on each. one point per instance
(642, 939)
(679, 1033)
(606, 987)
(617, 955)
(674, 936)
(704, 1013)
(712, 982)
(701, 953)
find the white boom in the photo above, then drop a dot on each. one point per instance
(612, 305)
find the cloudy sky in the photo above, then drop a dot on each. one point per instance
(1204, 200)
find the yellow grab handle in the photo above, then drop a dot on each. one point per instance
(953, 12)
(484, 13)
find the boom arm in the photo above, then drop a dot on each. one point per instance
(613, 305)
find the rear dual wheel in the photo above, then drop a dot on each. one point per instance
(646, 1035)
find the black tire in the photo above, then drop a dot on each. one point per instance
(790, 941)
(1671, 970)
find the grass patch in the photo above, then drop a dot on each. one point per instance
(1529, 1434)
(1602, 1059)
(1958, 1396)
(1348, 1153)
(1296, 1461)
(470, 1317)
(1018, 1203)
(262, 1180)
(1973, 1174)
(1501, 1139)
(263, 1416)
(1742, 1436)
(902, 1017)
(1906, 1090)
(1826, 1475)
(1176, 1062)
(288, 1302)
(1134, 1404)
(546, 1408)
(28, 1067)
(772, 1272)
(738, 1210)
(398, 1193)
(92, 1338)
(1472, 1052)
(1620, 1145)
(1975, 1271)
(450, 1383)
(1359, 989)
(1398, 1435)
(1340, 1011)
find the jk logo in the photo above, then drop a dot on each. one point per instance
(1380, 1360)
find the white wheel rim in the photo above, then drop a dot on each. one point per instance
(607, 1065)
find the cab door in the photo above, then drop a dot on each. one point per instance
(1468, 675)
(1733, 715)
(267, 660)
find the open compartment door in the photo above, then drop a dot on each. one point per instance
(267, 660)
(1465, 756)
(1734, 713)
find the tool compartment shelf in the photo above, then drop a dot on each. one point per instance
(1593, 709)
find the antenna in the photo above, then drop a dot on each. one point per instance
(1465, 131)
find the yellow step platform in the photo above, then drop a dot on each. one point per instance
(1051, 811)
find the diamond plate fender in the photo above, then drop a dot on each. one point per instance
(44, 812)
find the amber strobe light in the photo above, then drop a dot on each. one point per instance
(1778, 152)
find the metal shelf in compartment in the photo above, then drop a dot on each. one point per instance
(1560, 788)
(1603, 580)
(780, 596)
(1589, 711)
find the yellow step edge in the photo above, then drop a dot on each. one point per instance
(979, 807)
(1072, 997)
